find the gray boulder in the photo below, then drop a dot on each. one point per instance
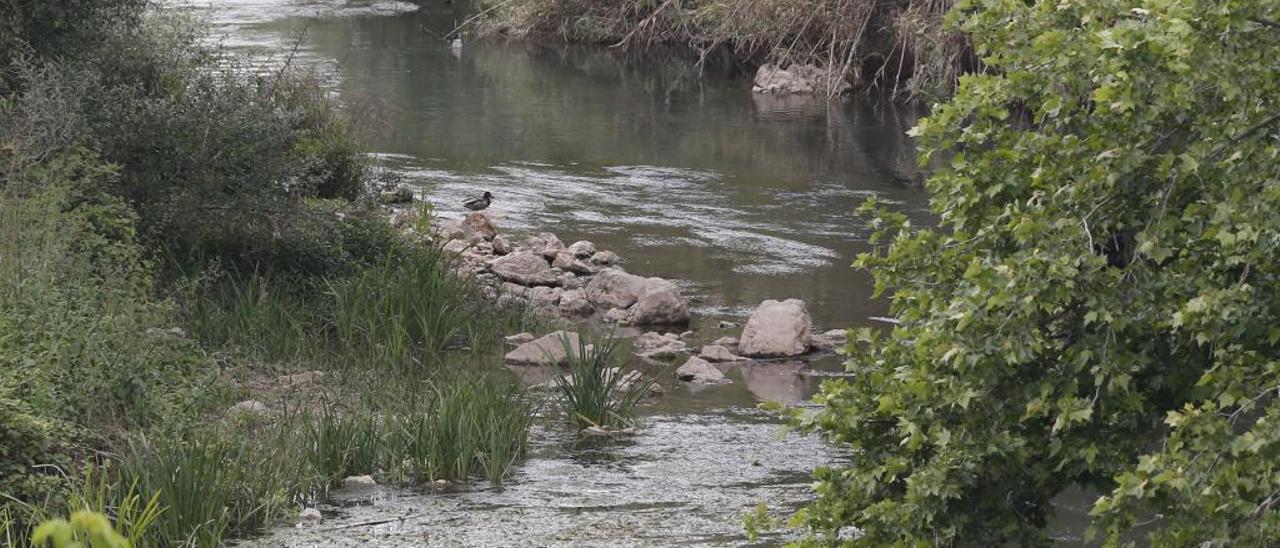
(700, 371)
(546, 350)
(524, 268)
(582, 249)
(615, 289)
(660, 303)
(777, 329)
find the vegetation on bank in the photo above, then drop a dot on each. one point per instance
(1099, 306)
(901, 47)
(176, 230)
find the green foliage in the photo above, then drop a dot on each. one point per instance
(1100, 303)
(52, 28)
(86, 529)
(598, 391)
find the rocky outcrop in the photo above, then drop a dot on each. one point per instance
(777, 329)
(615, 289)
(699, 370)
(660, 303)
(799, 79)
(524, 268)
(549, 349)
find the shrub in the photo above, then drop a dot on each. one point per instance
(1099, 304)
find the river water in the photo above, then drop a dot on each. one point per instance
(679, 169)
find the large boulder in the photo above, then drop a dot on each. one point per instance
(777, 329)
(479, 224)
(524, 268)
(546, 350)
(615, 289)
(700, 371)
(660, 304)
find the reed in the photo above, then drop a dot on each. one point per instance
(599, 391)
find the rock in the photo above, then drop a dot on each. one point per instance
(310, 515)
(606, 258)
(300, 379)
(573, 303)
(450, 230)
(582, 249)
(519, 338)
(726, 325)
(615, 289)
(656, 390)
(401, 195)
(550, 245)
(359, 482)
(456, 247)
(479, 224)
(660, 346)
(525, 269)
(545, 297)
(660, 304)
(797, 78)
(687, 335)
(617, 315)
(828, 341)
(568, 280)
(514, 289)
(546, 350)
(717, 353)
(700, 371)
(249, 409)
(565, 261)
(726, 341)
(777, 329)
(501, 246)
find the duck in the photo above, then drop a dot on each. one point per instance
(476, 204)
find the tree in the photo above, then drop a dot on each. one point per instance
(1100, 303)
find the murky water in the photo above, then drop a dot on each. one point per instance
(688, 176)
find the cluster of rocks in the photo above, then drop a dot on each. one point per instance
(574, 281)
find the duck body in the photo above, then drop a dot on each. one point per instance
(477, 204)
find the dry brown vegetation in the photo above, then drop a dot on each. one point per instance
(901, 47)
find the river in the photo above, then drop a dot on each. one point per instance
(679, 169)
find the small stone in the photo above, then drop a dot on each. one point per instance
(359, 482)
(477, 224)
(573, 303)
(700, 371)
(726, 325)
(250, 409)
(617, 315)
(656, 390)
(717, 353)
(726, 341)
(519, 338)
(546, 350)
(594, 431)
(551, 245)
(310, 515)
(456, 247)
(582, 249)
(686, 335)
(606, 258)
(501, 246)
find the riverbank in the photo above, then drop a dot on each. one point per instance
(897, 48)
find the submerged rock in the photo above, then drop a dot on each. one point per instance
(524, 268)
(660, 303)
(546, 350)
(615, 289)
(700, 371)
(660, 346)
(606, 258)
(799, 79)
(828, 341)
(726, 341)
(717, 353)
(777, 329)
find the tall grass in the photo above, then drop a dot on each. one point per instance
(599, 391)
(470, 425)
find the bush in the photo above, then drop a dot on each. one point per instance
(1100, 302)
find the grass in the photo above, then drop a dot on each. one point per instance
(599, 391)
